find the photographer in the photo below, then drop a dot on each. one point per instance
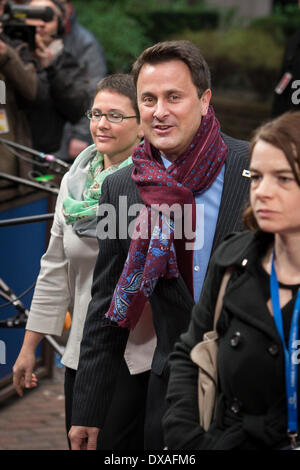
(81, 43)
(64, 87)
(45, 88)
(17, 72)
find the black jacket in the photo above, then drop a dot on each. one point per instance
(83, 45)
(289, 99)
(103, 344)
(251, 410)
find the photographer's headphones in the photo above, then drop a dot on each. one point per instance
(61, 24)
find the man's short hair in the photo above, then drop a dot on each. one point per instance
(120, 83)
(185, 51)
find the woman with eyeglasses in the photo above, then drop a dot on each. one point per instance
(65, 280)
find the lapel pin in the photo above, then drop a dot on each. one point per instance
(246, 173)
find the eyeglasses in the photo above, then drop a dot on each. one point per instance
(94, 115)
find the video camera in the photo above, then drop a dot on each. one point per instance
(13, 21)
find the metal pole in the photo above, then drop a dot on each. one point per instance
(16, 179)
(19, 306)
(25, 220)
(59, 166)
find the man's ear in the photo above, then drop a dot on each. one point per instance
(205, 101)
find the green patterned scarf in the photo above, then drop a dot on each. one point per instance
(85, 180)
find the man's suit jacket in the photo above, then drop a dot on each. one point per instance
(103, 345)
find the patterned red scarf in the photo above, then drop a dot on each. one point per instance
(154, 250)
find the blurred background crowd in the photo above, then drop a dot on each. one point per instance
(51, 60)
(50, 68)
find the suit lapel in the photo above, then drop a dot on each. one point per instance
(235, 192)
(234, 195)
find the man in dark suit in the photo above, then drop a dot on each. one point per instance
(162, 254)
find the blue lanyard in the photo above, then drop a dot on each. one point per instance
(290, 354)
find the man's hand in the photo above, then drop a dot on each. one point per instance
(47, 55)
(83, 437)
(43, 54)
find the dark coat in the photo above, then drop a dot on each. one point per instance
(289, 99)
(63, 95)
(49, 97)
(103, 345)
(251, 410)
(20, 80)
(83, 45)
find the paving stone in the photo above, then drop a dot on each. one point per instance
(36, 421)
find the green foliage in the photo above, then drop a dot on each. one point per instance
(138, 5)
(163, 18)
(239, 58)
(170, 5)
(126, 28)
(284, 22)
(161, 23)
(121, 36)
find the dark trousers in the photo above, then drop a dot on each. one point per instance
(124, 425)
(155, 410)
